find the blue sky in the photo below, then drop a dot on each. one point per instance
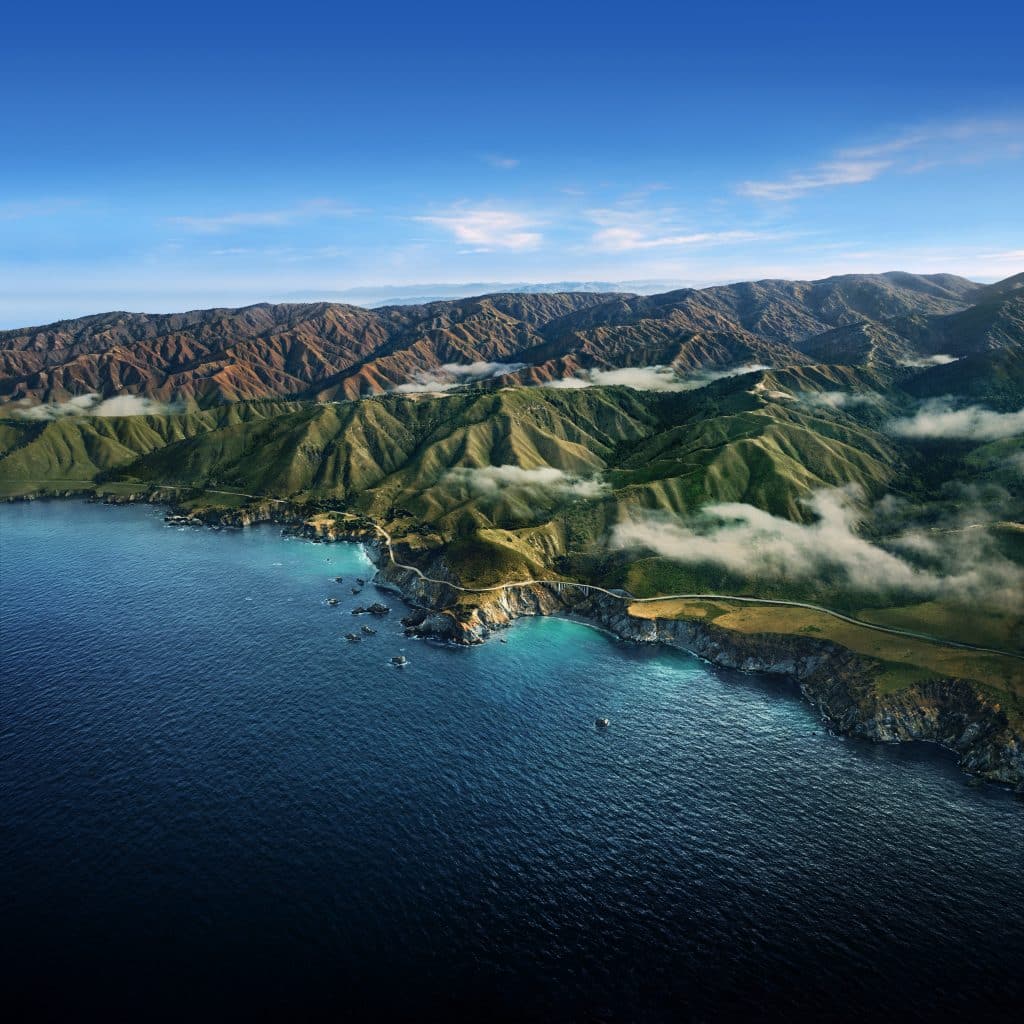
(212, 154)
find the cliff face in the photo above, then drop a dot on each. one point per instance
(955, 713)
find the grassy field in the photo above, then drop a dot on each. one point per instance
(17, 488)
(954, 622)
(907, 660)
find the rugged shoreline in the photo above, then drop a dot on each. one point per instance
(838, 683)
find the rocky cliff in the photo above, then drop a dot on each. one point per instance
(841, 685)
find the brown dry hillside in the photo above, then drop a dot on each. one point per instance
(331, 351)
(267, 350)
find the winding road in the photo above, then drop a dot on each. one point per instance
(619, 595)
(625, 596)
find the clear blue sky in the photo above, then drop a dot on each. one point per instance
(211, 154)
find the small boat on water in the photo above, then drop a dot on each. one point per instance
(399, 660)
(351, 637)
(369, 631)
(332, 601)
(602, 723)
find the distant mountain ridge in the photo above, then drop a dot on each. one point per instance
(331, 351)
(373, 297)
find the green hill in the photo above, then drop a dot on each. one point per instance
(794, 480)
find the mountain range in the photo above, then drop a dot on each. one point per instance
(328, 351)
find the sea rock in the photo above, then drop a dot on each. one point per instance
(839, 683)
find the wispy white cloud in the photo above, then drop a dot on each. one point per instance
(747, 540)
(503, 163)
(93, 404)
(453, 375)
(958, 132)
(623, 239)
(939, 418)
(1009, 258)
(837, 399)
(639, 378)
(630, 227)
(913, 151)
(826, 175)
(650, 378)
(764, 390)
(490, 481)
(487, 227)
(314, 209)
(752, 543)
(939, 359)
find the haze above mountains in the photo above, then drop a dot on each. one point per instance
(373, 296)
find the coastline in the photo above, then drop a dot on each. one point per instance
(836, 682)
(956, 714)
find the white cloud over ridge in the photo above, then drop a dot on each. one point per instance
(837, 399)
(490, 481)
(631, 239)
(650, 378)
(93, 404)
(752, 543)
(454, 375)
(939, 418)
(939, 359)
(632, 226)
(826, 175)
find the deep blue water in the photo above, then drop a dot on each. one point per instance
(211, 798)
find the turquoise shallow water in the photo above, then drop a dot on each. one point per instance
(211, 798)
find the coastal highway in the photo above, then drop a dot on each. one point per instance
(623, 595)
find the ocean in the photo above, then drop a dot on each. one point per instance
(216, 805)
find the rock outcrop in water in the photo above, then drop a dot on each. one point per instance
(955, 713)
